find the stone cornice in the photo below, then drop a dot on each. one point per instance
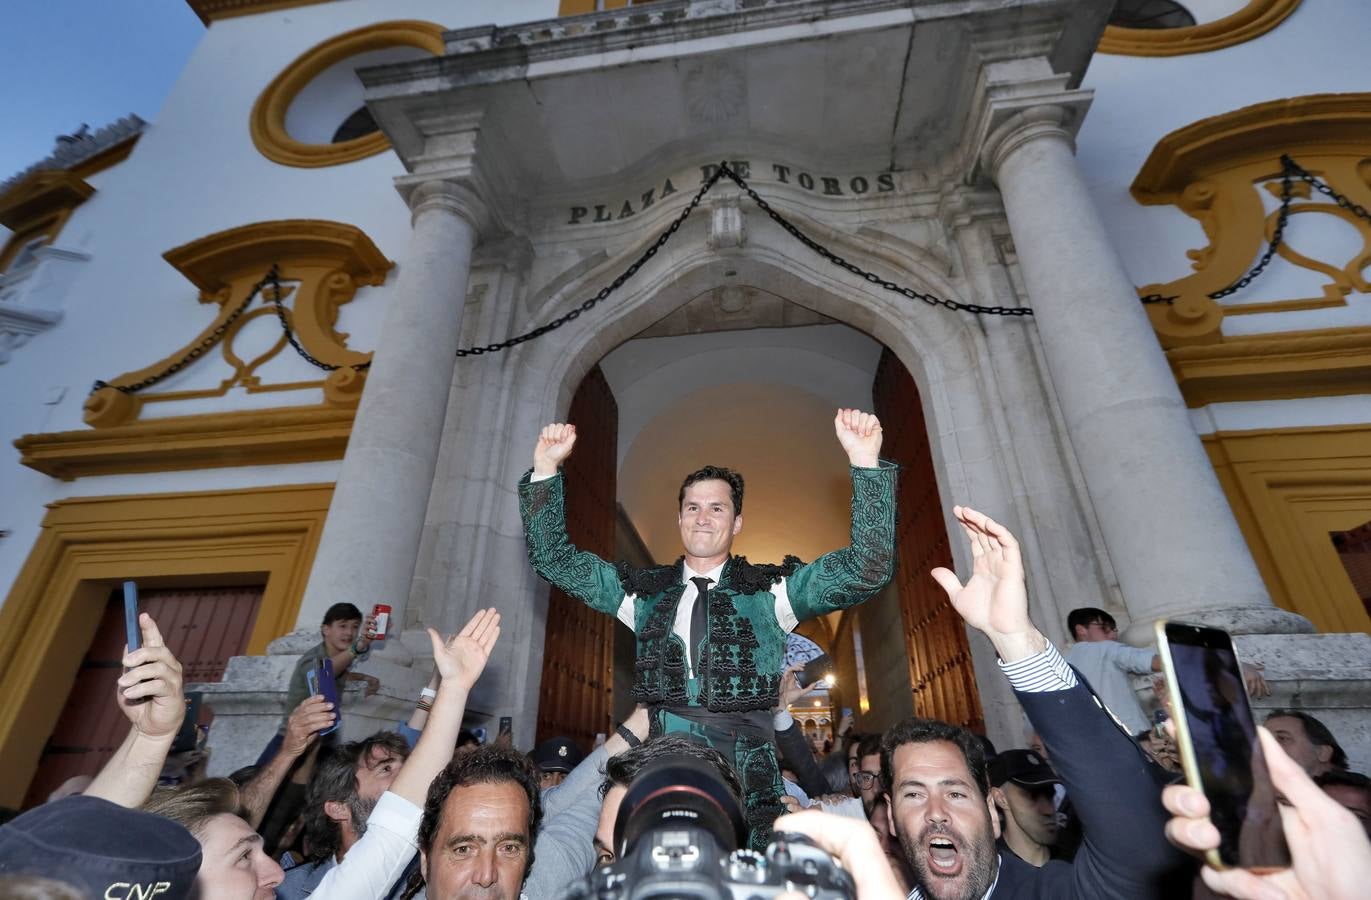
(73, 153)
(261, 437)
(1330, 362)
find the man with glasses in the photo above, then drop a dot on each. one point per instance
(1107, 665)
(866, 780)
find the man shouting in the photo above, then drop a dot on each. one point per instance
(711, 627)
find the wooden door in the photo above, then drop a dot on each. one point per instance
(202, 628)
(576, 697)
(940, 670)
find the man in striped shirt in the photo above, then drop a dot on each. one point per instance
(935, 773)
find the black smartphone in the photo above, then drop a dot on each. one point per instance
(188, 737)
(507, 725)
(815, 669)
(321, 681)
(134, 637)
(1216, 735)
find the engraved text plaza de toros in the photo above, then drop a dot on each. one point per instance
(829, 186)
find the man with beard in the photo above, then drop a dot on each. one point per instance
(936, 778)
(343, 791)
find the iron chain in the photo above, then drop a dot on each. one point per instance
(1289, 169)
(871, 277)
(274, 277)
(724, 170)
(608, 289)
(194, 353)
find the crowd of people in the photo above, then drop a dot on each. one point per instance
(1094, 806)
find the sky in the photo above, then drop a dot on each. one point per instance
(65, 62)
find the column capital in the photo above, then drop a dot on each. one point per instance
(1023, 127)
(452, 195)
(1020, 101)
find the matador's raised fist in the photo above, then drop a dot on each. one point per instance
(554, 445)
(860, 434)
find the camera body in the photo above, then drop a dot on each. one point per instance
(683, 862)
(677, 833)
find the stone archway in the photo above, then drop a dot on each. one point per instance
(963, 368)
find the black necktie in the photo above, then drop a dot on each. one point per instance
(698, 616)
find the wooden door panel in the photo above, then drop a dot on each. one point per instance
(940, 671)
(201, 627)
(575, 698)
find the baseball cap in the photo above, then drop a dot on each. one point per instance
(558, 754)
(1023, 767)
(103, 848)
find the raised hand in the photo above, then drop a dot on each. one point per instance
(554, 446)
(312, 716)
(994, 599)
(790, 686)
(860, 434)
(461, 659)
(149, 692)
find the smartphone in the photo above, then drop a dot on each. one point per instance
(1216, 736)
(507, 725)
(321, 682)
(815, 669)
(135, 634)
(188, 738)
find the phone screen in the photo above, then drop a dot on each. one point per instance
(815, 669)
(1220, 749)
(134, 637)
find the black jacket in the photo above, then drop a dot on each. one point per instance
(1115, 792)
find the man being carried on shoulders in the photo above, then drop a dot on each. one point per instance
(711, 628)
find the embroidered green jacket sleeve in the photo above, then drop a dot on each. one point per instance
(583, 575)
(846, 577)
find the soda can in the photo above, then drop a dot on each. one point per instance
(381, 614)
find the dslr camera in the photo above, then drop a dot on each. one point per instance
(677, 837)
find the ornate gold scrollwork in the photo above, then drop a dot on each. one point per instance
(1214, 171)
(326, 262)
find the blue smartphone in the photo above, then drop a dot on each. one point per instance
(135, 634)
(321, 682)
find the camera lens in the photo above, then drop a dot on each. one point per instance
(679, 793)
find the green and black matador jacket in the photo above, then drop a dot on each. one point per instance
(740, 665)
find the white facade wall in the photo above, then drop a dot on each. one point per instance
(195, 171)
(1139, 100)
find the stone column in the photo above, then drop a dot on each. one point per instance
(371, 537)
(1171, 535)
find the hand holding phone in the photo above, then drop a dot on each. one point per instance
(815, 670)
(1217, 739)
(1330, 854)
(321, 683)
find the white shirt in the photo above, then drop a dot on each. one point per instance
(685, 609)
(380, 857)
(1107, 665)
